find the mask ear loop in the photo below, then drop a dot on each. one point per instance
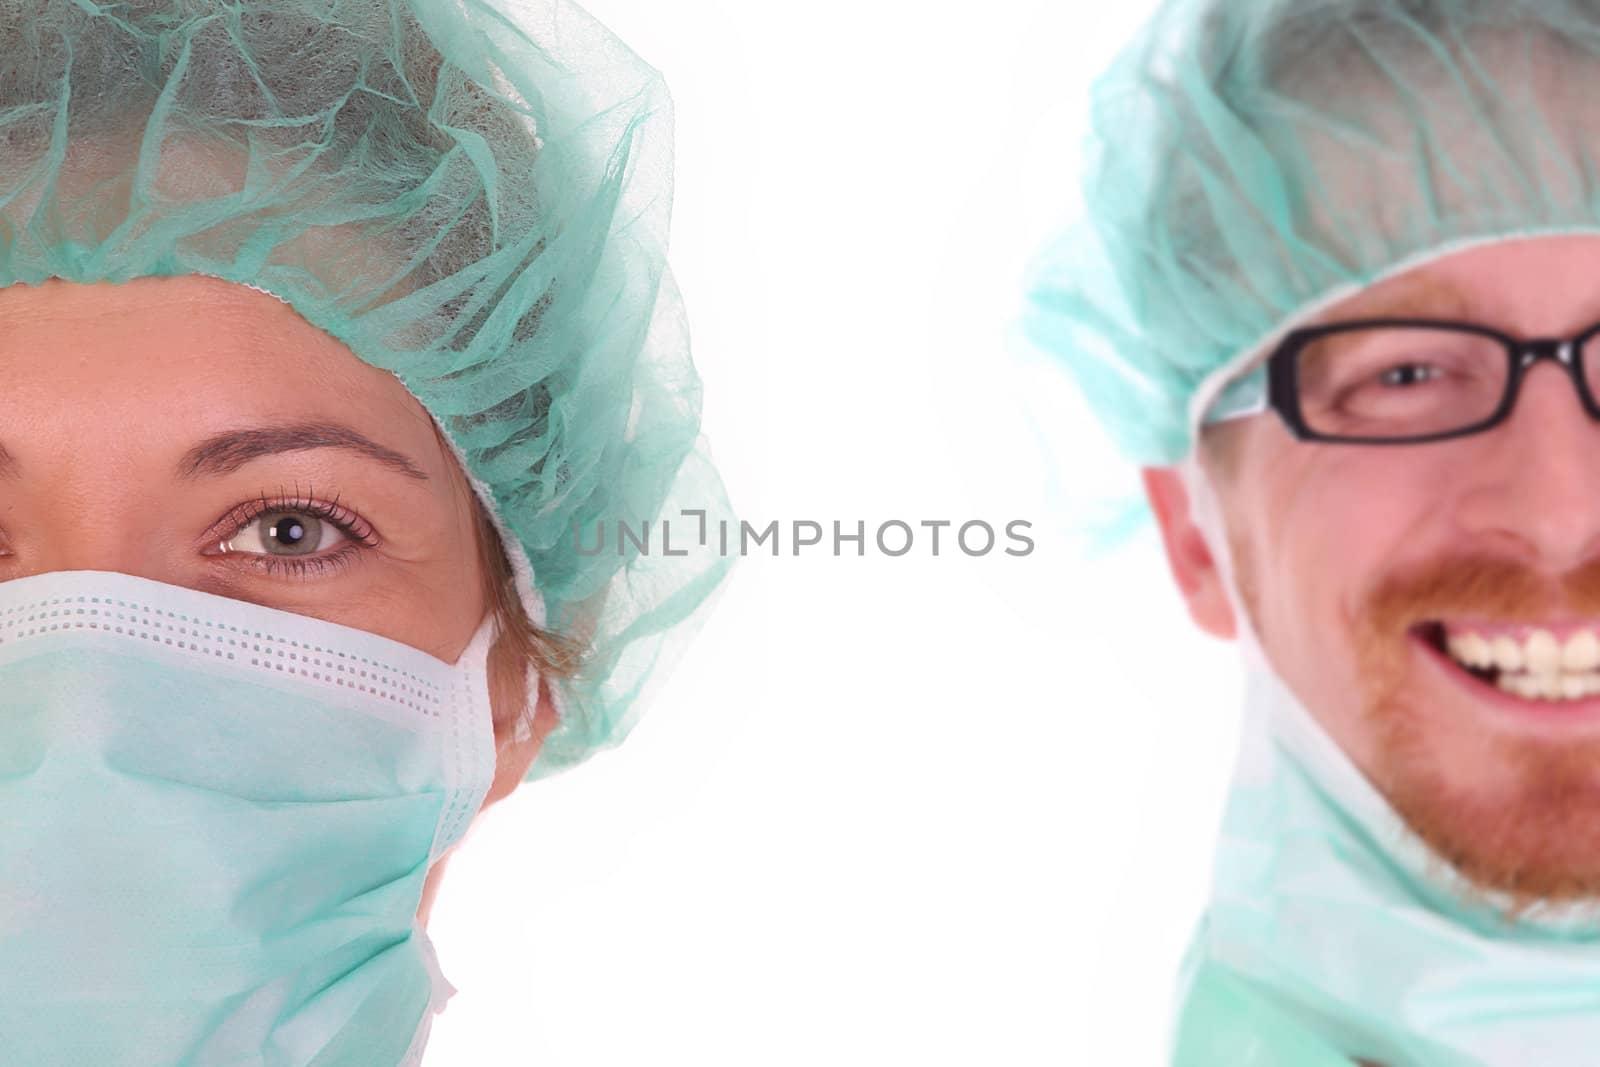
(1272, 710)
(491, 629)
(1205, 508)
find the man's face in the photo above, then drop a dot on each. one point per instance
(1361, 565)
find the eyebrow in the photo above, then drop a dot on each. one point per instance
(226, 452)
(1416, 297)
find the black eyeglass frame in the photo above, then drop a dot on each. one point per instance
(1283, 375)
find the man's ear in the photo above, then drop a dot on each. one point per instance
(1199, 579)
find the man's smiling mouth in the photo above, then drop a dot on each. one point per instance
(1553, 663)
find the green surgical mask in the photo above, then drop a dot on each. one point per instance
(218, 818)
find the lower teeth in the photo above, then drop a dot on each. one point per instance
(1550, 686)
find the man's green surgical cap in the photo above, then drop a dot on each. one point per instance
(473, 197)
(1252, 163)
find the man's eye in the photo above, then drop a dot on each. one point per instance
(287, 533)
(1409, 374)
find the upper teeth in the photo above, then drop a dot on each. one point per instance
(1540, 653)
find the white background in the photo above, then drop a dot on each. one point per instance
(887, 810)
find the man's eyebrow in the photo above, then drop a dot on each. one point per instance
(1415, 298)
(226, 452)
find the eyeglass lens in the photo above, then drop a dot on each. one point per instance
(1392, 382)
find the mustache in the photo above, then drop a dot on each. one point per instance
(1480, 586)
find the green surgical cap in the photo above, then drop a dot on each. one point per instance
(471, 196)
(1252, 163)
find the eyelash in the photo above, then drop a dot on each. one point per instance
(347, 522)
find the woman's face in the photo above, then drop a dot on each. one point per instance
(143, 425)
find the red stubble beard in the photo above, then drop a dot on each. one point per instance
(1522, 816)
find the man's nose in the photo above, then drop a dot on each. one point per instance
(1534, 481)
